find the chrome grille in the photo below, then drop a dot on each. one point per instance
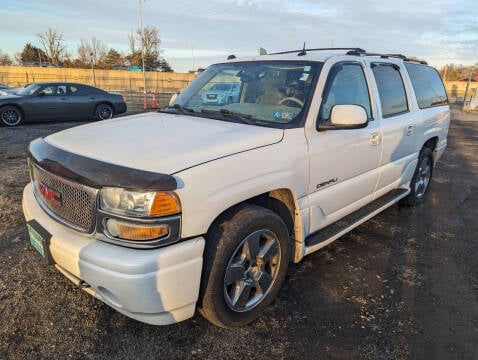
(77, 207)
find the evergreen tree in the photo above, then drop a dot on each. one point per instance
(113, 58)
(32, 53)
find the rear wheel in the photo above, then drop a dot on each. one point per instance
(246, 260)
(421, 178)
(11, 116)
(103, 112)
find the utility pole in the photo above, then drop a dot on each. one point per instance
(142, 53)
(192, 54)
(39, 56)
(444, 72)
(467, 87)
(93, 67)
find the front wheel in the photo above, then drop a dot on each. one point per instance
(421, 178)
(11, 116)
(246, 260)
(103, 112)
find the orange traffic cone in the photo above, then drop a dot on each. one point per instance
(145, 102)
(154, 104)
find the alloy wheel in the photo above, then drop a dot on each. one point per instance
(11, 117)
(423, 177)
(252, 270)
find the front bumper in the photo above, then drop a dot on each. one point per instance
(155, 286)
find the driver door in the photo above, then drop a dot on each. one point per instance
(50, 103)
(343, 162)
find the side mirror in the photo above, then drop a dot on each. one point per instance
(40, 94)
(346, 117)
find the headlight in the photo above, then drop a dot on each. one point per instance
(138, 203)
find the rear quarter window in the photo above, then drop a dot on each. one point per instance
(427, 85)
(391, 90)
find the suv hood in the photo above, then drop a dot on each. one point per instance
(163, 143)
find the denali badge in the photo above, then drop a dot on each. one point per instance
(328, 182)
(50, 194)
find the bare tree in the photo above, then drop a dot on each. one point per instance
(92, 50)
(84, 50)
(150, 40)
(52, 42)
(458, 71)
(5, 59)
(99, 49)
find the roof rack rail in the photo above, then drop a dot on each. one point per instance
(423, 62)
(387, 56)
(351, 51)
(304, 51)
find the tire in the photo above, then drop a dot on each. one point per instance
(245, 264)
(11, 116)
(104, 112)
(420, 182)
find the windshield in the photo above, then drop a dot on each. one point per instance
(269, 93)
(29, 89)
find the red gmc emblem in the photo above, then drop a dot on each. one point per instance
(50, 194)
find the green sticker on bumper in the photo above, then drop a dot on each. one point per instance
(36, 240)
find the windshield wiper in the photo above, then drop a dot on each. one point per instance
(182, 109)
(245, 118)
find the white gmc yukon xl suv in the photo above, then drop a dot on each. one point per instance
(205, 205)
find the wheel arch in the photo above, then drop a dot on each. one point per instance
(284, 203)
(19, 107)
(431, 143)
(107, 102)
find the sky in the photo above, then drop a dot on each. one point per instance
(200, 32)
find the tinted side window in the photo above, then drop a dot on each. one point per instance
(49, 90)
(390, 89)
(78, 90)
(346, 85)
(427, 85)
(61, 90)
(74, 90)
(94, 91)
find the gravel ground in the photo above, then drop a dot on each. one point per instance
(403, 285)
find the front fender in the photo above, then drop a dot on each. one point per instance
(208, 190)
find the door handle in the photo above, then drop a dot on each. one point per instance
(375, 139)
(410, 129)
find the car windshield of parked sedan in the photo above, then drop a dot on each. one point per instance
(29, 89)
(267, 93)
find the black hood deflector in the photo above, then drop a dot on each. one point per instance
(96, 173)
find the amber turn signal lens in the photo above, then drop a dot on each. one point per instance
(165, 204)
(135, 232)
